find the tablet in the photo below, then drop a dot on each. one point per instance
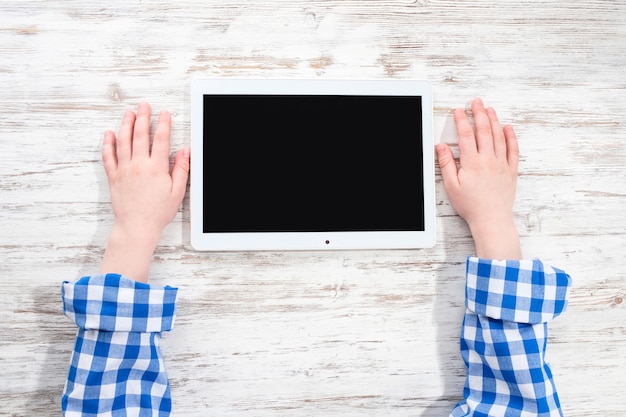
(311, 165)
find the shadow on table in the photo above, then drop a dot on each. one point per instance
(56, 335)
(448, 316)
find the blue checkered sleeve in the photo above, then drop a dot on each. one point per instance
(116, 367)
(504, 335)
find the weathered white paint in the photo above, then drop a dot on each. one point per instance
(313, 334)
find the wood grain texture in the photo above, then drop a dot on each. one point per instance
(369, 333)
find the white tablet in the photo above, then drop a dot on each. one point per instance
(311, 164)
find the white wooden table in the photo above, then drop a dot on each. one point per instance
(339, 334)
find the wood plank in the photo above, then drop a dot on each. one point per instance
(313, 333)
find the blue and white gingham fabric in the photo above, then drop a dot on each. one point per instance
(116, 367)
(504, 334)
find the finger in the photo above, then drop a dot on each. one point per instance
(124, 139)
(180, 173)
(499, 142)
(109, 155)
(465, 133)
(512, 147)
(161, 144)
(141, 135)
(447, 165)
(484, 137)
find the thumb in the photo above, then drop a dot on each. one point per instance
(180, 173)
(447, 164)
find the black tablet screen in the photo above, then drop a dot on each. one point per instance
(280, 163)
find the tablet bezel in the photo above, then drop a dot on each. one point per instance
(286, 241)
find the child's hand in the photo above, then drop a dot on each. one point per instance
(144, 194)
(482, 190)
